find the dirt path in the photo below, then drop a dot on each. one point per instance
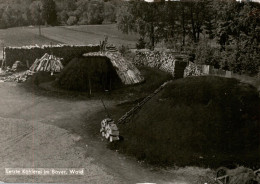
(47, 132)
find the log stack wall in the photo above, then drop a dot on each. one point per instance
(170, 62)
(28, 54)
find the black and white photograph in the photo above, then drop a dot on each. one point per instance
(130, 91)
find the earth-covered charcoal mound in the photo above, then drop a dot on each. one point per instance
(201, 121)
(93, 73)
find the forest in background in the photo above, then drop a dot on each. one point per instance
(15, 13)
(225, 34)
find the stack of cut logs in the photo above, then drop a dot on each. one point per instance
(48, 63)
(111, 48)
(109, 130)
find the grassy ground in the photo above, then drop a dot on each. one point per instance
(203, 121)
(61, 138)
(87, 34)
(110, 30)
(20, 36)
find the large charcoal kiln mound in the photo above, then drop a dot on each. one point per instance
(202, 121)
(89, 73)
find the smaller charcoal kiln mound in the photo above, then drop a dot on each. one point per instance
(98, 72)
(89, 73)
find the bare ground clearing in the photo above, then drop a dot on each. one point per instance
(41, 131)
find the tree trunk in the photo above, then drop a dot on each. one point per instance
(183, 27)
(40, 32)
(198, 34)
(89, 83)
(152, 36)
(193, 25)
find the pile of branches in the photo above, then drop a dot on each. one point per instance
(17, 77)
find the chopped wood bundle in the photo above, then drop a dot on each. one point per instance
(109, 130)
(48, 63)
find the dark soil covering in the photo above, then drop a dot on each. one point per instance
(202, 121)
(89, 73)
(40, 77)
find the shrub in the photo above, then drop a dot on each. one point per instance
(123, 49)
(140, 43)
(72, 20)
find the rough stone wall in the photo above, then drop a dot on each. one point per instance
(28, 54)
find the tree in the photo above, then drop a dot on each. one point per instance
(72, 20)
(35, 10)
(49, 13)
(143, 18)
(8, 17)
(110, 12)
(95, 12)
(62, 17)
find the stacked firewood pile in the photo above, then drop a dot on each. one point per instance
(109, 130)
(193, 70)
(48, 63)
(111, 48)
(28, 54)
(164, 61)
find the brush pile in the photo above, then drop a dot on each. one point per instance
(17, 77)
(48, 63)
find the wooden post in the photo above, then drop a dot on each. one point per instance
(51, 49)
(89, 83)
(39, 19)
(40, 32)
(27, 64)
(108, 114)
(110, 82)
(2, 67)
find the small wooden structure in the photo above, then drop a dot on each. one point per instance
(48, 63)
